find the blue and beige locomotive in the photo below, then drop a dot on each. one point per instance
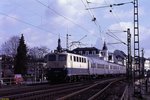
(81, 63)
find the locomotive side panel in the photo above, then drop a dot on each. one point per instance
(77, 65)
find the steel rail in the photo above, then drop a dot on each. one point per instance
(23, 95)
(85, 89)
(101, 91)
(125, 94)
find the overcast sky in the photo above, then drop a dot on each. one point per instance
(43, 21)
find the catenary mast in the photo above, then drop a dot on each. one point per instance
(137, 69)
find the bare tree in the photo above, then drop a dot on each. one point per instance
(9, 48)
(38, 52)
(36, 58)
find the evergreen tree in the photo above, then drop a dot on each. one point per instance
(21, 58)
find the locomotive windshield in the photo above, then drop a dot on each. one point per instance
(62, 57)
(57, 57)
(52, 58)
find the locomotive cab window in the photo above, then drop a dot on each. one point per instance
(62, 58)
(52, 57)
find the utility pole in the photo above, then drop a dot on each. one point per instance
(137, 69)
(142, 62)
(67, 41)
(129, 63)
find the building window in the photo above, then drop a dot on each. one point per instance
(90, 52)
(110, 57)
(93, 52)
(80, 52)
(86, 52)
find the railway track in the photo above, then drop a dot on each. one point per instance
(69, 91)
(94, 92)
(114, 91)
(24, 89)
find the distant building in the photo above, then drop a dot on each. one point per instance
(104, 52)
(6, 66)
(110, 57)
(118, 56)
(147, 64)
(88, 51)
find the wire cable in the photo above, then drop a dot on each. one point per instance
(93, 17)
(27, 23)
(68, 19)
(116, 38)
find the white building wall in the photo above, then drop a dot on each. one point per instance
(147, 64)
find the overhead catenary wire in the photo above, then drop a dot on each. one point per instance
(27, 23)
(115, 15)
(115, 38)
(31, 11)
(112, 11)
(110, 5)
(95, 21)
(118, 20)
(88, 10)
(66, 18)
(93, 18)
